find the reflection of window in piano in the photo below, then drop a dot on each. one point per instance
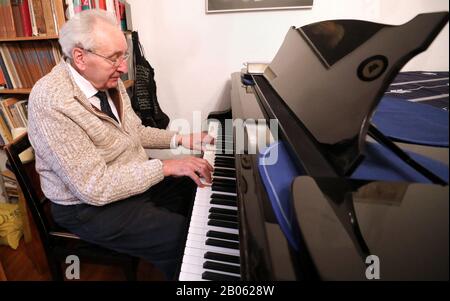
(335, 39)
(381, 193)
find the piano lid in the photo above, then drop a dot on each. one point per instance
(344, 221)
(332, 75)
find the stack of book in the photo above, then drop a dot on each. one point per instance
(10, 191)
(13, 114)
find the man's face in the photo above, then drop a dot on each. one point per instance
(104, 64)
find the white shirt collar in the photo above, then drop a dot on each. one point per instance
(85, 86)
(89, 91)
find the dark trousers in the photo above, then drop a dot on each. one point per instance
(151, 225)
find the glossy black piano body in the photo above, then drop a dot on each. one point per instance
(265, 252)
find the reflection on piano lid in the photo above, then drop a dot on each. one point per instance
(405, 225)
(331, 76)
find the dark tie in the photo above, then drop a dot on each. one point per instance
(104, 104)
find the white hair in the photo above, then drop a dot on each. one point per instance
(77, 32)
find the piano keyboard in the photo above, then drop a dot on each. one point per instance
(212, 246)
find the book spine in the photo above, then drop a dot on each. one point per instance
(15, 6)
(102, 4)
(25, 16)
(59, 12)
(39, 16)
(77, 7)
(85, 5)
(5, 73)
(2, 20)
(9, 20)
(34, 29)
(48, 16)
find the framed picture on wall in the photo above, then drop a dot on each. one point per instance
(220, 6)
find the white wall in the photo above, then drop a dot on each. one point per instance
(194, 54)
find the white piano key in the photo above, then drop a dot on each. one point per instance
(227, 168)
(185, 276)
(196, 237)
(196, 260)
(205, 227)
(190, 268)
(221, 177)
(218, 206)
(194, 252)
(199, 270)
(224, 193)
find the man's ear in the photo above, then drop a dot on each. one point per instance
(78, 58)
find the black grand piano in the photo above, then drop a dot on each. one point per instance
(305, 185)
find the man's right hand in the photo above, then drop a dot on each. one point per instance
(193, 167)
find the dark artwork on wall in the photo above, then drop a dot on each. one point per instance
(218, 6)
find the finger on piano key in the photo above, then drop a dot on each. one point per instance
(206, 183)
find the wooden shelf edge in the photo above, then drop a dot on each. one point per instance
(34, 38)
(128, 83)
(15, 91)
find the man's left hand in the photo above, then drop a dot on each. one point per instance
(196, 141)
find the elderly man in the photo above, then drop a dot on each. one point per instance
(89, 147)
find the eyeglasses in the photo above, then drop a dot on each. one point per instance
(115, 63)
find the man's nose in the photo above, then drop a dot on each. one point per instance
(123, 67)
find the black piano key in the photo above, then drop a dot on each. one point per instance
(229, 160)
(225, 169)
(223, 164)
(225, 159)
(224, 154)
(219, 277)
(223, 196)
(223, 217)
(224, 184)
(223, 202)
(222, 257)
(226, 144)
(223, 224)
(223, 211)
(222, 235)
(222, 267)
(222, 243)
(225, 173)
(225, 181)
(216, 187)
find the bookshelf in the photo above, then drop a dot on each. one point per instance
(34, 38)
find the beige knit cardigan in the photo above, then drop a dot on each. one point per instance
(84, 156)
